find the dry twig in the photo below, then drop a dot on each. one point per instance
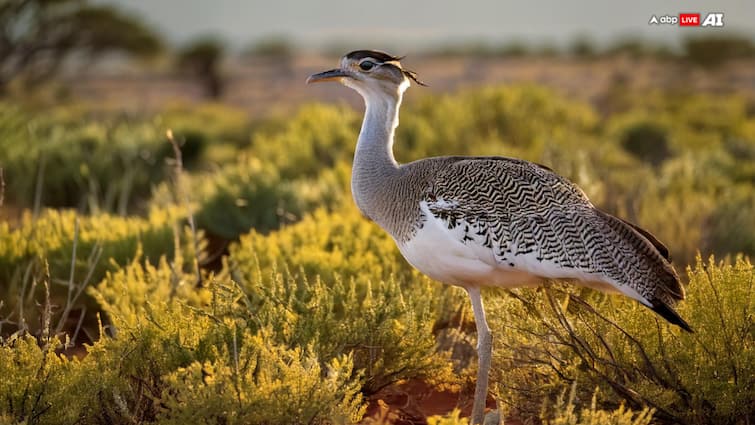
(184, 199)
(2, 187)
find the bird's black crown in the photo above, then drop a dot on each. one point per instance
(375, 54)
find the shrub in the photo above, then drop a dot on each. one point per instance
(44, 248)
(693, 123)
(324, 245)
(174, 359)
(316, 138)
(564, 412)
(205, 349)
(91, 165)
(733, 222)
(546, 342)
(272, 384)
(346, 293)
(492, 121)
(647, 142)
(250, 194)
(41, 387)
(210, 124)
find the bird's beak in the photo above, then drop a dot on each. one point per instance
(332, 75)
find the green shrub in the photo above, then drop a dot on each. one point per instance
(210, 124)
(324, 245)
(733, 223)
(41, 387)
(316, 138)
(95, 162)
(708, 143)
(92, 165)
(564, 412)
(43, 249)
(204, 348)
(547, 342)
(347, 291)
(51, 237)
(692, 123)
(492, 121)
(250, 194)
(270, 385)
(173, 359)
(647, 142)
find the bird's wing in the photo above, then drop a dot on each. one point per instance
(523, 215)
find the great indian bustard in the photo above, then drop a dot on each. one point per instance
(478, 221)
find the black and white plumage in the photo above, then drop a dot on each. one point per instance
(521, 222)
(491, 221)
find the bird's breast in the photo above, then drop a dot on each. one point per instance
(444, 255)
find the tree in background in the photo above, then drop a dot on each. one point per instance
(273, 47)
(37, 36)
(201, 60)
(275, 52)
(714, 50)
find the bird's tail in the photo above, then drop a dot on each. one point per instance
(667, 287)
(668, 313)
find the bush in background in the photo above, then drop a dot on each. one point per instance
(250, 194)
(79, 162)
(716, 50)
(317, 137)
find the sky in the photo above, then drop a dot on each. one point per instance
(425, 23)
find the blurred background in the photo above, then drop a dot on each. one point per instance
(139, 55)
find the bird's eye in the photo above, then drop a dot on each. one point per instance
(366, 65)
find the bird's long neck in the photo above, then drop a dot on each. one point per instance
(374, 164)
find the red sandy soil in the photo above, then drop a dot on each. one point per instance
(412, 402)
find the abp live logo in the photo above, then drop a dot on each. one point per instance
(689, 19)
(713, 19)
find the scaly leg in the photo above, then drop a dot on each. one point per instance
(484, 353)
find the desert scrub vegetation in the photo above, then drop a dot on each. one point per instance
(564, 411)
(169, 353)
(98, 162)
(272, 348)
(251, 194)
(340, 282)
(57, 160)
(70, 252)
(566, 335)
(308, 309)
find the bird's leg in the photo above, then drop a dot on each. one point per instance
(484, 352)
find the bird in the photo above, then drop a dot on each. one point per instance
(494, 221)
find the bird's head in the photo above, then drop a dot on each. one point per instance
(370, 73)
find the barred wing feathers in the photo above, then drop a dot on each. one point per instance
(522, 217)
